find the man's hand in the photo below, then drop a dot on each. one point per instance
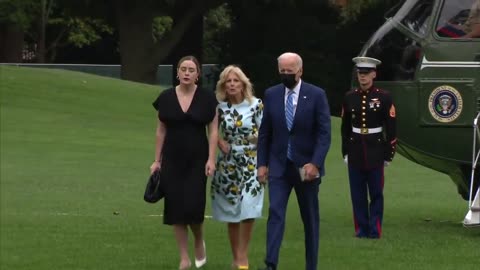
(262, 173)
(253, 139)
(311, 172)
(224, 146)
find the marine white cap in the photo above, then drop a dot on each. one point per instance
(366, 62)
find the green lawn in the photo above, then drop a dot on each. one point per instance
(75, 148)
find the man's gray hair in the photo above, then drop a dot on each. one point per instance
(291, 54)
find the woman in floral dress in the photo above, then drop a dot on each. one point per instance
(237, 195)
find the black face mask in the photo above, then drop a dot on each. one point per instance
(288, 80)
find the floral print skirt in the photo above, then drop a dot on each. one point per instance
(236, 192)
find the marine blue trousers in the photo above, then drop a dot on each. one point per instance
(367, 215)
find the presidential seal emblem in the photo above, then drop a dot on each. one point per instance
(445, 104)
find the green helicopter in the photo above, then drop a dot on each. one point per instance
(430, 51)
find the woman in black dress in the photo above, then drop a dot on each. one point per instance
(186, 156)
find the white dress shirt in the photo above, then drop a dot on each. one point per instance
(296, 93)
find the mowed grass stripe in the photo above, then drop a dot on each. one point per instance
(75, 148)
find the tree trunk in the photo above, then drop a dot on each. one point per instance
(11, 43)
(185, 16)
(136, 42)
(139, 55)
(190, 42)
(41, 25)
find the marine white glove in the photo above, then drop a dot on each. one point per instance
(386, 163)
(345, 159)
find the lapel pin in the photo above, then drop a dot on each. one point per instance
(304, 96)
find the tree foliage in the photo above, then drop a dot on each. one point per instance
(15, 19)
(18, 12)
(79, 31)
(217, 24)
(50, 24)
(354, 9)
(262, 30)
(161, 25)
(249, 33)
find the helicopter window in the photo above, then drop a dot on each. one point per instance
(459, 19)
(399, 53)
(416, 17)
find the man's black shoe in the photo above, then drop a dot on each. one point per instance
(268, 267)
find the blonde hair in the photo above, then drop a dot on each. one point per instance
(247, 90)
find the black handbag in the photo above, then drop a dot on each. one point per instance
(154, 191)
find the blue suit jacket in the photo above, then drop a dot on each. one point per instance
(310, 134)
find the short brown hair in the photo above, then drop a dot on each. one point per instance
(190, 58)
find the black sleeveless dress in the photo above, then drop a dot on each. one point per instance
(184, 155)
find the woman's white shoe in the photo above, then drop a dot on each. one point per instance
(201, 262)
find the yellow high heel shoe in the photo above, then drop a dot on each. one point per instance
(239, 267)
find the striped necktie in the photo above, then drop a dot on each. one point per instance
(289, 114)
(289, 109)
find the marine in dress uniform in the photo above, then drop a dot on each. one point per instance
(368, 145)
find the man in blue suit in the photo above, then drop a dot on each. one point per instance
(293, 141)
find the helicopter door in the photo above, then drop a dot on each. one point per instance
(449, 73)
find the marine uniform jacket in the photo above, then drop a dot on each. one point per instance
(368, 128)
